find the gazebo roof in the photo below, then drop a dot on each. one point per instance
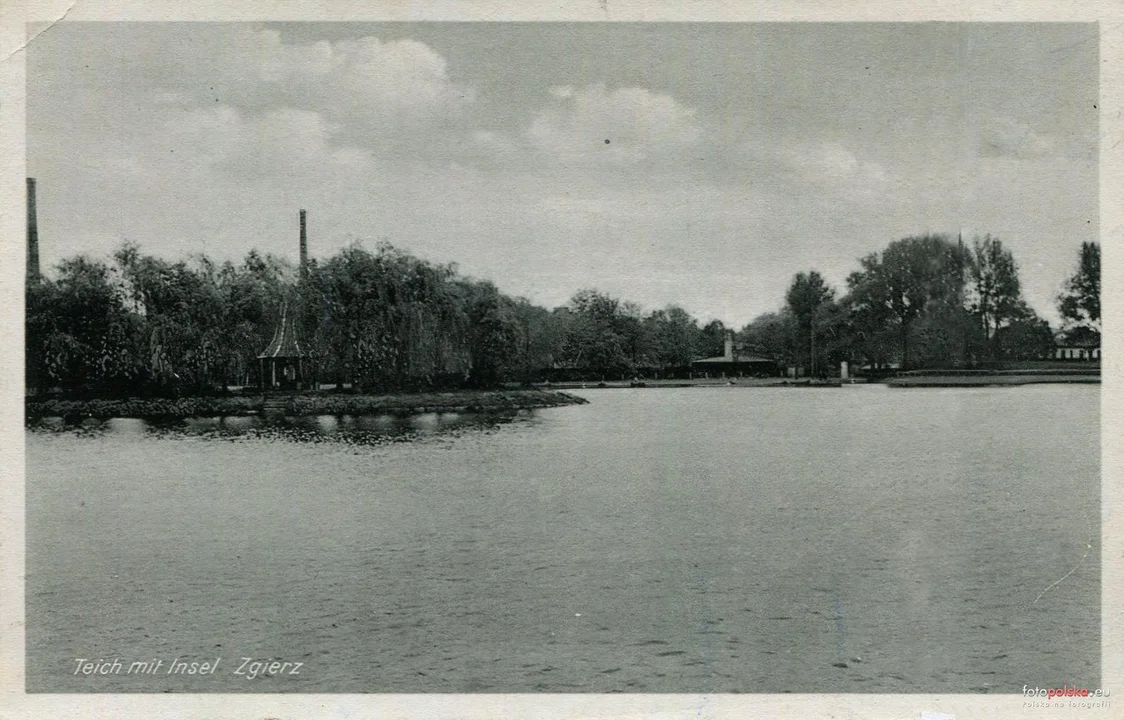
(285, 341)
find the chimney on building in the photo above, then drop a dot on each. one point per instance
(304, 246)
(32, 233)
(728, 347)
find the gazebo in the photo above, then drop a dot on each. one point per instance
(285, 365)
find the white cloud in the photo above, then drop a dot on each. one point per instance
(494, 151)
(621, 126)
(292, 131)
(403, 75)
(1006, 137)
(211, 134)
(372, 89)
(225, 138)
(388, 78)
(831, 163)
(280, 63)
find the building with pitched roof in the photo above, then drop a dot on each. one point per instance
(735, 361)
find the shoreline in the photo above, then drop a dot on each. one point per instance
(298, 404)
(934, 379)
(483, 401)
(997, 380)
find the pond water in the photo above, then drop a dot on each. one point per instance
(700, 540)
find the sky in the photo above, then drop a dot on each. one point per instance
(701, 165)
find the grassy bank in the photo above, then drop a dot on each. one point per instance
(487, 401)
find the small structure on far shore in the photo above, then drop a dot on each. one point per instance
(284, 364)
(1080, 344)
(1090, 351)
(734, 362)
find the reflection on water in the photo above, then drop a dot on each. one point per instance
(349, 429)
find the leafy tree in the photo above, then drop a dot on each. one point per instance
(806, 299)
(897, 286)
(712, 339)
(539, 338)
(1080, 303)
(493, 334)
(673, 336)
(996, 298)
(595, 337)
(947, 335)
(772, 334)
(865, 334)
(1026, 336)
(834, 337)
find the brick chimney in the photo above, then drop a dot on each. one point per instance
(304, 245)
(728, 346)
(32, 233)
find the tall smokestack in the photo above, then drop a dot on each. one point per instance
(32, 233)
(304, 246)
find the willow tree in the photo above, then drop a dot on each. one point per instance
(81, 336)
(182, 311)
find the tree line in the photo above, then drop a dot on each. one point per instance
(927, 302)
(381, 320)
(387, 320)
